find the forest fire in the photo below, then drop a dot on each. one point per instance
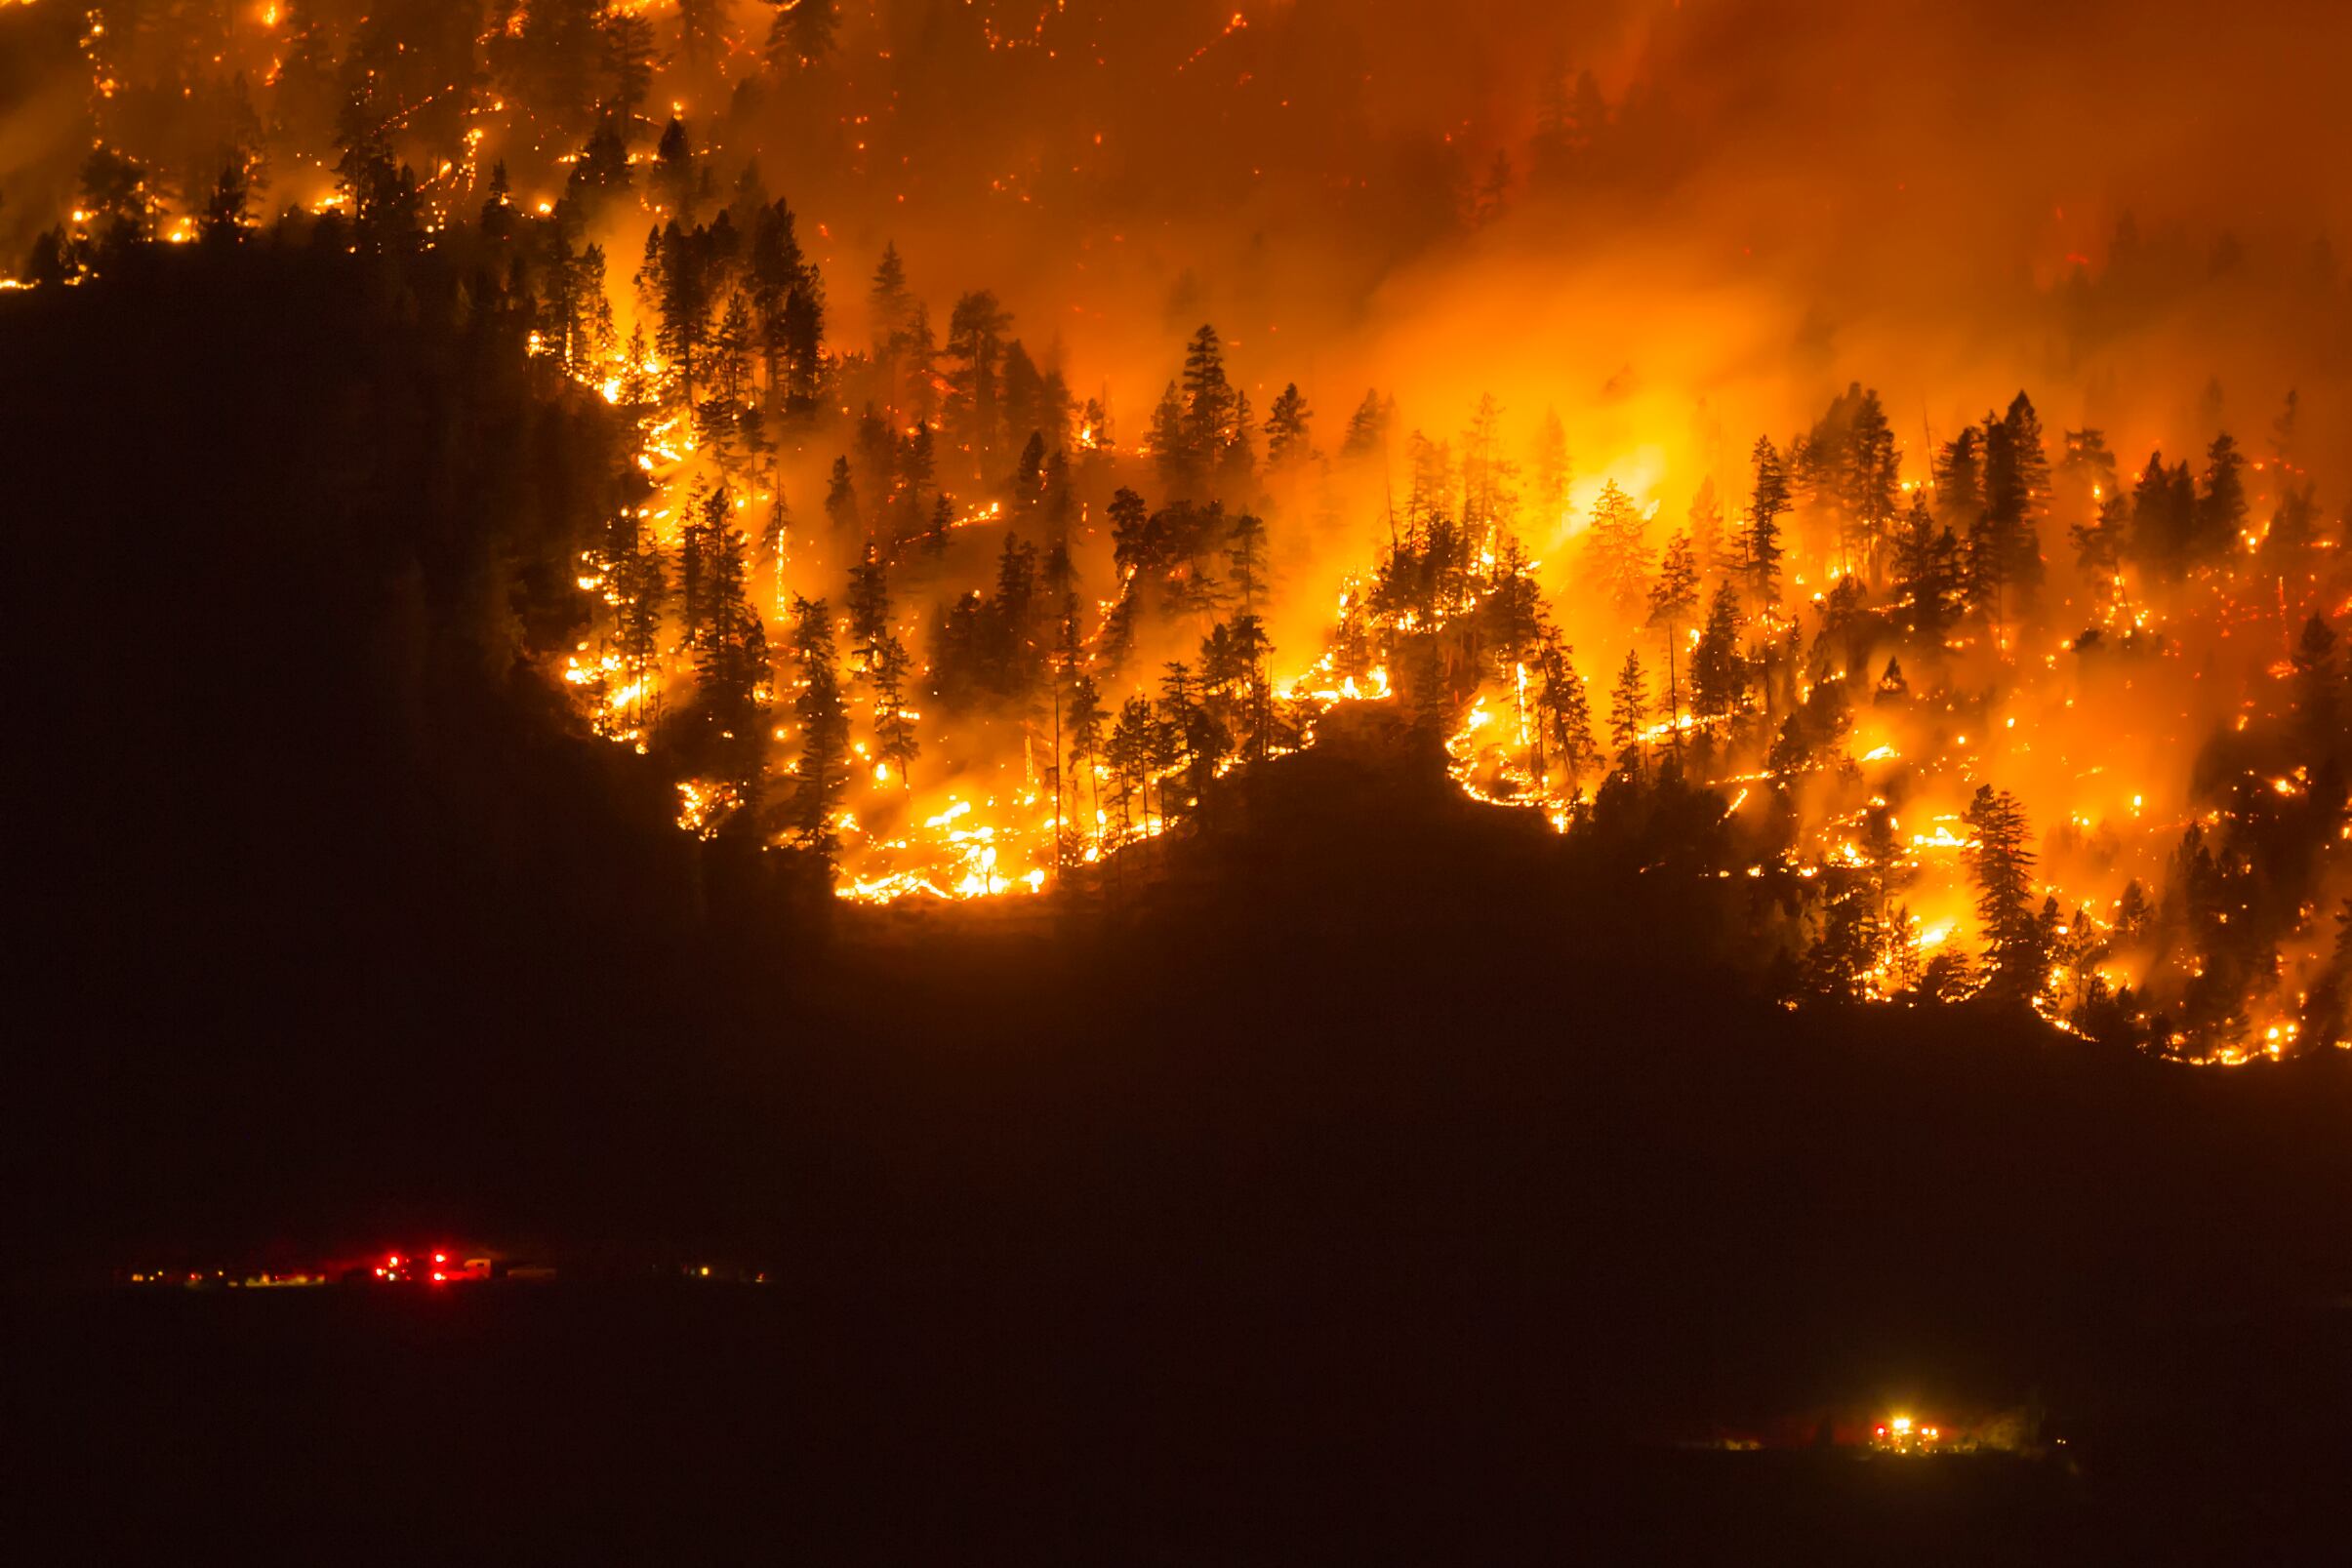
(1978, 712)
(1579, 766)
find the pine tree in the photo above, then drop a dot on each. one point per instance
(2007, 553)
(705, 516)
(2160, 530)
(1489, 497)
(775, 547)
(1618, 549)
(649, 281)
(876, 450)
(728, 417)
(890, 317)
(699, 31)
(919, 362)
(1224, 677)
(1245, 558)
(223, 222)
(565, 309)
(1013, 660)
(682, 278)
(1021, 396)
(893, 727)
(1514, 616)
(1085, 724)
(382, 192)
(1192, 740)
(1719, 675)
(788, 306)
(1367, 427)
(2030, 454)
(1992, 549)
(841, 499)
(603, 341)
(1960, 480)
(496, 220)
(890, 303)
(2098, 544)
(1838, 960)
(601, 172)
(628, 40)
(1171, 451)
(918, 465)
(2087, 468)
(869, 608)
(2181, 503)
(1134, 744)
(119, 196)
(1433, 480)
(975, 348)
(1028, 474)
(1928, 573)
(1566, 710)
(1286, 422)
(1130, 532)
(1059, 501)
(1211, 414)
(1629, 714)
(1870, 484)
(731, 662)
(1572, 122)
(1238, 463)
(2319, 689)
(2293, 524)
(822, 772)
(2221, 512)
(2002, 867)
(801, 34)
(1672, 599)
(2283, 429)
(673, 171)
(640, 583)
(1763, 550)
(800, 331)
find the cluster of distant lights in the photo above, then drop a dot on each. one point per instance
(396, 1269)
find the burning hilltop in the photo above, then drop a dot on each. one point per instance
(945, 593)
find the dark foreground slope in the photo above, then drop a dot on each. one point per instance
(1375, 1177)
(1302, 1207)
(1299, 1211)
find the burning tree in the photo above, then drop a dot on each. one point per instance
(821, 774)
(1761, 551)
(1672, 599)
(1629, 716)
(2015, 949)
(1619, 553)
